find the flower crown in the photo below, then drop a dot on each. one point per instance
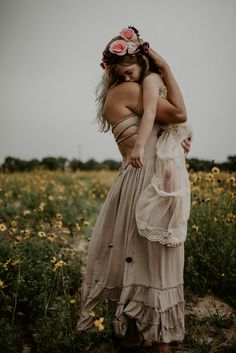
(129, 43)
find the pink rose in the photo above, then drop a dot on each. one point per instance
(133, 47)
(128, 34)
(118, 47)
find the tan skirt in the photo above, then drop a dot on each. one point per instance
(143, 278)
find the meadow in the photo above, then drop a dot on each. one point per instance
(46, 220)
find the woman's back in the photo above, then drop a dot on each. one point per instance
(122, 109)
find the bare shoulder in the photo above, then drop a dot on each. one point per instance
(125, 88)
(154, 78)
(122, 100)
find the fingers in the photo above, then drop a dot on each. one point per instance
(136, 162)
(186, 146)
(158, 60)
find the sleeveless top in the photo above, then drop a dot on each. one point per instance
(128, 126)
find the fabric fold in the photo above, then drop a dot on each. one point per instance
(163, 208)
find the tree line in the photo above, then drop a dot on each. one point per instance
(12, 164)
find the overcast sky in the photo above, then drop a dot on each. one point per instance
(49, 69)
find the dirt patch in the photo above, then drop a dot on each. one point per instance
(208, 306)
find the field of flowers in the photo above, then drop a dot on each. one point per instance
(46, 219)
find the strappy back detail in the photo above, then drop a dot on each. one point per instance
(126, 127)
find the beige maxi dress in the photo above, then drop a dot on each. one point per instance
(143, 278)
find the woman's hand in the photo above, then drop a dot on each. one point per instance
(137, 156)
(157, 59)
(186, 144)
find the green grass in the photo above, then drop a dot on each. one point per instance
(45, 215)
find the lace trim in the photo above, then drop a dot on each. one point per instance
(163, 236)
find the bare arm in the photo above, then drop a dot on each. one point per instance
(151, 85)
(174, 107)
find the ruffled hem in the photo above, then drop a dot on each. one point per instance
(159, 313)
(160, 318)
(156, 326)
(163, 236)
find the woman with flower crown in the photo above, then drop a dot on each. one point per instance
(142, 276)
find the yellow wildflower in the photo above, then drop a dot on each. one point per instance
(42, 234)
(72, 301)
(58, 264)
(209, 177)
(2, 227)
(215, 170)
(86, 223)
(92, 314)
(66, 231)
(74, 251)
(16, 262)
(13, 230)
(58, 224)
(25, 212)
(41, 206)
(26, 231)
(59, 216)
(54, 259)
(231, 180)
(8, 193)
(195, 227)
(77, 226)
(230, 218)
(2, 284)
(99, 324)
(52, 236)
(5, 265)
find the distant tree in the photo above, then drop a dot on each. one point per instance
(12, 164)
(232, 163)
(75, 164)
(91, 164)
(110, 164)
(50, 163)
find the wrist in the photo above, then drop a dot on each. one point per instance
(165, 69)
(139, 145)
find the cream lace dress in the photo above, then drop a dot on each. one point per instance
(163, 207)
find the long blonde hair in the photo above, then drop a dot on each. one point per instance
(110, 78)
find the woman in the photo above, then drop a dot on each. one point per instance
(144, 279)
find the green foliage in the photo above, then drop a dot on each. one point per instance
(12, 164)
(210, 247)
(44, 215)
(42, 279)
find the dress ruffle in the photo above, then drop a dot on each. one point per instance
(160, 317)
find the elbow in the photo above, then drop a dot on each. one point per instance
(181, 116)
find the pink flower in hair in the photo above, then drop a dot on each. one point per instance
(133, 47)
(128, 34)
(118, 47)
